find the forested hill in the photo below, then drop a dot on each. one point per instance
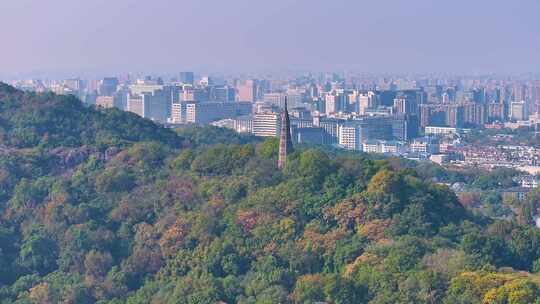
(100, 206)
(29, 120)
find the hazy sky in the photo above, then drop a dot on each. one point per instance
(468, 36)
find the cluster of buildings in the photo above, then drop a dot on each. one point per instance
(410, 116)
(525, 158)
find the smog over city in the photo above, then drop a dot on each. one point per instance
(261, 152)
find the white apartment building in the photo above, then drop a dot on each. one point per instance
(351, 136)
(266, 124)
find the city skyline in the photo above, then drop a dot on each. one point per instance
(279, 151)
(104, 37)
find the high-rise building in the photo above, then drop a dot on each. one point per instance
(285, 141)
(495, 112)
(479, 95)
(108, 86)
(533, 96)
(206, 81)
(223, 94)
(158, 98)
(404, 127)
(452, 115)
(247, 91)
(378, 127)
(386, 98)
(294, 98)
(178, 112)
(473, 114)
(331, 104)
(351, 135)
(519, 92)
(455, 115)
(353, 105)
(137, 105)
(334, 103)
(519, 111)
(406, 102)
(276, 99)
(120, 98)
(330, 126)
(366, 101)
(159, 104)
(187, 78)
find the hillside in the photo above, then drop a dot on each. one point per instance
(147, 215)
(29, 120)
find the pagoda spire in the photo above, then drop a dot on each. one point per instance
(285, 140)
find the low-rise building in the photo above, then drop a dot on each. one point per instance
(431, 130)
(439, 158)
(243, 124)
(424, 145)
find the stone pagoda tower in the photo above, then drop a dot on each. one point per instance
(285, 140)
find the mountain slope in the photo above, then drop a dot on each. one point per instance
(29, 120)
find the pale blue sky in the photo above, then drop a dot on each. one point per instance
(467, 36)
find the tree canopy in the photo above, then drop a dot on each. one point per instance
(100, 206)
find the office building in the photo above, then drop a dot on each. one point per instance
(137, 105)
(266, 124)
(206, 112)
(158, 98)
(314, 136)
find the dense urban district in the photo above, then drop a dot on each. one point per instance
(483, 123)
(315, 189)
